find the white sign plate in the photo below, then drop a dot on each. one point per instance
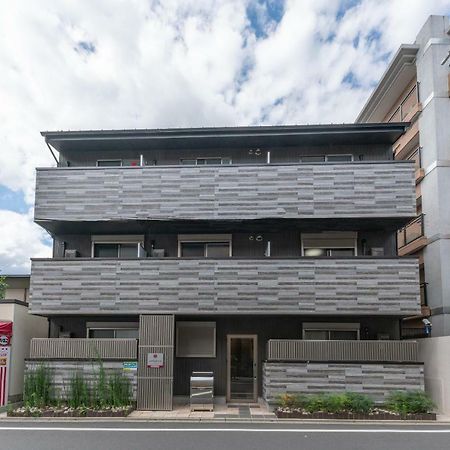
(155, 360)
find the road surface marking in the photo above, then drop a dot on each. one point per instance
(240, 430)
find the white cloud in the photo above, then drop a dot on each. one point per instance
(20, 240)
(185, 63)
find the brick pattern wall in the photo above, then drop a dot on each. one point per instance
(226, 192)
(373, 379)
(63, 370)
(365, 286)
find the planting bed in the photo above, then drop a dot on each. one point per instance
(66, 411)
(374, 415)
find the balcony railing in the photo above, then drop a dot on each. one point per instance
(408, 103)
(411, 232)
(229, 192)
(370, 351)
(59, 348)
(352, 285)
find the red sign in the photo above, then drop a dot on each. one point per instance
(4, 374)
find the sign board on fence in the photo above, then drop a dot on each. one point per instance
(129, 366)
(155, 360)
(4, 374)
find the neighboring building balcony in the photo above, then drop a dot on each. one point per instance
(383, 189)
(385, 286)
(408, 108)
(411, 238)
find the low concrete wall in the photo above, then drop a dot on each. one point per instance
(375, 380)
(63, 370)
(436, 356)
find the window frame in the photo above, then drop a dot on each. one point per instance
(329, 246)
(138, 240)
(205, 239)
(196, 159)
(331, 326)
(109, 160)
(111, 326)
(193, 324)
(339, 154)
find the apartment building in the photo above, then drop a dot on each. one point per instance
(266, 255)
(415, 89)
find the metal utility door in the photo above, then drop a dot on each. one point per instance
(242, 368)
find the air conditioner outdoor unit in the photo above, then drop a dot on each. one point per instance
(377, 251)
(69, 253)
(158, 253)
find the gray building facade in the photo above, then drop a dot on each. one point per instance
(206, 246)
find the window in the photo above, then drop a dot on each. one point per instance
(205, 161)
(326, 158)
(196, 339)
(109, 163)
(339, 158)
(331, 331)
(115, 250)
(115, 330)
(312, 159)
(204, 246)
(121, 246)
(333, 244)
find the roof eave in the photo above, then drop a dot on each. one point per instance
(404, 57)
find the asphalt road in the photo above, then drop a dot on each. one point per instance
(67, 435)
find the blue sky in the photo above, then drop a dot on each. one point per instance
(177, 63)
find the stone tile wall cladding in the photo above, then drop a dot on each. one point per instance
(226, 192)
(63, 370)
(373, 379)
(365, 286)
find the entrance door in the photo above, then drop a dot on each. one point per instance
(242, 362)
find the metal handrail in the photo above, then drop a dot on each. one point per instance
(400, 109)
(403, 238)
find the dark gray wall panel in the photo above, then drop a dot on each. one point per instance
(384, 189)
(367, 286)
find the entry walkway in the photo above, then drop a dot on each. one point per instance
(222, 411)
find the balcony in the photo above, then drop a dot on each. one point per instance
(60, 348)
(348, 351)
(408, 108)
(297, 191)
(411, 239)
(317, 286)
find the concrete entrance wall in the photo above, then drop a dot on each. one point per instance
(435, 352)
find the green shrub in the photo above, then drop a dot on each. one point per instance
(409, 402)
(119, 390)
(291, 401)
(37, 389)
(314, 403)
(358, 403)
(78, 392)
(334, 403)
(100, 397)
(328, 402)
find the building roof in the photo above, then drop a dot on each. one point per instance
(401, 70)
(286, 135)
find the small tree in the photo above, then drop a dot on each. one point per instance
(3, 286)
